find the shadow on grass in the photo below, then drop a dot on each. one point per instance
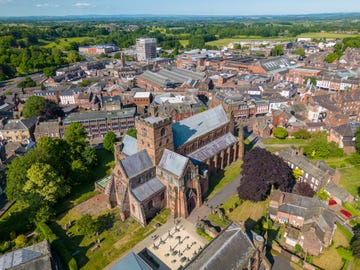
(215, 180)
(72, 243)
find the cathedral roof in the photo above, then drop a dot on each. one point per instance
(148, 189)
(136, 163)
(173, 162)
(197, 125)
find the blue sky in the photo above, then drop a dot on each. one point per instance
(177, 7)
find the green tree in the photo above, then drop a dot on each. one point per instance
(311, 79)
(21, 240)
(44, 185)
(49, 71)
(297, 173)
(87, 225)
(109, 140)
(300, 51)
(132, 132)
(33, 106)
(27, 82)
(89, 156)
(277, 51)
(280, 133)
(302, 134)
(75, 136)
(357, 140)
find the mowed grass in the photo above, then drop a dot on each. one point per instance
(330, 258)
(350, 179)
(62, 43)
(184, 42)
(227, 41)
(284, 141)
(249, 210)
(326, 35)
(220, 180)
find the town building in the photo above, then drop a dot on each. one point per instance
(145, 48)
(17, 130)
(98, 123)
(313, 225)
(98, 49)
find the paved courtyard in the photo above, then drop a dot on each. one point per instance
(177, 246)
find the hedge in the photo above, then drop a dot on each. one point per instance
(58, 246)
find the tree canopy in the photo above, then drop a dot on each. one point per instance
(357, 140)
(75, 136)
(280, 133)
(27, 82)
(304, 189)
(261, 171)
(302, 134)
(132, 132)
(34, 105)
(109, 140)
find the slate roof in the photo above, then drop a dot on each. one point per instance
(136, 163)
(129, 145)
(32, 257)
(337, 191)
(199, 124)
(148, 189)
(131, 262)
(173, 162)
(82, 117)
(212, 148)
(303, 163)
(231, 250)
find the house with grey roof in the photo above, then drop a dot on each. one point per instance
(310, 218)
(315, 175)
(232, 249)
(35, 257)
(131, 262)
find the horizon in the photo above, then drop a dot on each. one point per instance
(54, 8)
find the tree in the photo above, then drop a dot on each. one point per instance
(75, 136)
(312, 80)
(132, 132)
(280, 133)
(261, 171)
(44, 185)
(304, 189)
(300, 52)
(109, 140)
(357, 140)
(51, 110)
(89, 156)
(355, 241)
(21, 240)
(49, 71)
(33, 106)
(302, 134)
(277, 51)
(87, 225)
(27, 82)
(297, 173)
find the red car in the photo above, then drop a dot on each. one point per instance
(332, 202)
(346, 213)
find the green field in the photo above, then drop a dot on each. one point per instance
(226, 41)
(326, 35)
(184, 42)
(62, 43)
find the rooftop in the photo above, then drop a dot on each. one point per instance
(173, 162)
(99, 115)
(147, 189)
(192, 127)
(136, 163)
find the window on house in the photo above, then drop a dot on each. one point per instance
(162, 132)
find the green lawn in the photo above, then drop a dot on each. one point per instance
(330, 258)
(249, 212)
(184, 42)
(62, 43)
(284, 141)
(115, 241)
(326, 35)
(226, 41)
(350, 179)
(214, 218)
(220, 180)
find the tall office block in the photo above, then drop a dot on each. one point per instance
(145, 48)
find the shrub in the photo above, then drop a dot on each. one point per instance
(302, 134)
(280, 133)
(20, 241)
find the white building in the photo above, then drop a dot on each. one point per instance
(145, 48)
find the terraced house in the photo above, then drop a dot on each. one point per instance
(169, 163)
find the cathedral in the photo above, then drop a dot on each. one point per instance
(170, 163)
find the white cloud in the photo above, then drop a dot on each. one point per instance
(81, 5)
(40, 5)
(5, 1)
